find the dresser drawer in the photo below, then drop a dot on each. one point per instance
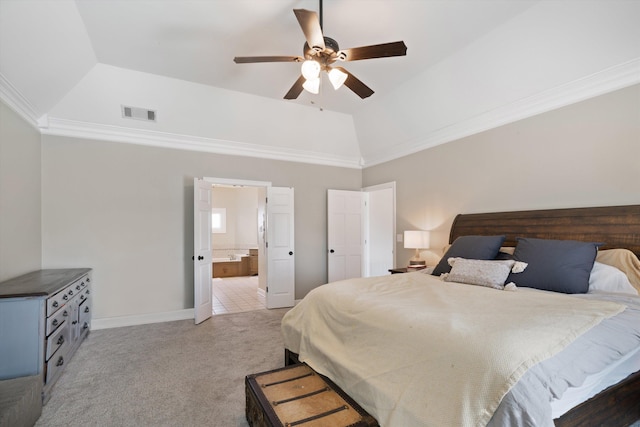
(54, 366)
(81, 284)
(56, 320)
(59, 340)
(55, 302)
(85, 315)
(84, 295)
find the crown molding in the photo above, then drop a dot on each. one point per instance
(17, 102)
(78, 129)
(605, 81)
(600, 83)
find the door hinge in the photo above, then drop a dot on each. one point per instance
(266, 244)
(267, 289)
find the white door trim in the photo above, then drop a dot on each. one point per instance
(392, 186)
(240, 182)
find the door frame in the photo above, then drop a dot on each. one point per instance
(367, 251)
(366, 226)
(245, 183)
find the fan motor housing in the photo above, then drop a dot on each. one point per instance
(328, 55)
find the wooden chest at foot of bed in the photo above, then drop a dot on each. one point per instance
(298, 396)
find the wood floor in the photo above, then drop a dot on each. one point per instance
(236, 294)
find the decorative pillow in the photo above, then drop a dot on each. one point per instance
(470, 247)
(491, 273)
(624, 260)
(555, 265)
(605, 278)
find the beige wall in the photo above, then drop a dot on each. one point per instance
(20, 247)
(127, 212)
(586, 154)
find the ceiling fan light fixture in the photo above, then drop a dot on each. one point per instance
(312, 85)
(310, 69)
(337, 78)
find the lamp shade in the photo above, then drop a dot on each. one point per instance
(337, 78)
(312, 85)
(310, 69)
(416, 239)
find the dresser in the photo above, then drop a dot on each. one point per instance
(44, 316)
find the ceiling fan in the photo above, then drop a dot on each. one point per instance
(321, 52)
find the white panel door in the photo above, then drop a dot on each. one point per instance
(381, 231)
(280, 248)
(202, 286)
(345, 234)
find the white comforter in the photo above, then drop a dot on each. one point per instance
(414, 350)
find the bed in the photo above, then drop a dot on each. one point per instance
(614, 400)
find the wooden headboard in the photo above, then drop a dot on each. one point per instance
(614, 226)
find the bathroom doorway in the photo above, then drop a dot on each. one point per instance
(236, 240)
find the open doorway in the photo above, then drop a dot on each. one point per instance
(276, 261)
(235, 241)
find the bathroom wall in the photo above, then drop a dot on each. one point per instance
(241, 204)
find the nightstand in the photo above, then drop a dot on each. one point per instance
(403, 270)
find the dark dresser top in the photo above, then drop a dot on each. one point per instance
(40, 282)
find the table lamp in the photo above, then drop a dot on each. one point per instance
(415, 239)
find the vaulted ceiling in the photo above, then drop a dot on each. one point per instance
(69, 66)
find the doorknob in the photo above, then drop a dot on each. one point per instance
(200, 258)
(290, 253)
(331, 251)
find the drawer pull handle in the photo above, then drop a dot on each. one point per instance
(86, 309)
(85, 326)
(78, 287)
(55, 322)
(88, 280)
(65, 313)
(55, 304)
(82, 297)
(74, 322)
(70, 292)
(87, 292)
(60, 361)
(61, 340)
(65, 297)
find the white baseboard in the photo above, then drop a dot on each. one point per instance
(142, 319)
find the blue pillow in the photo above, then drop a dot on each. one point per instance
(555, 265)
(470, 247)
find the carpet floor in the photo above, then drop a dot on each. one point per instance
(167, 374)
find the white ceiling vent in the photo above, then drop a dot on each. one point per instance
(138, 113)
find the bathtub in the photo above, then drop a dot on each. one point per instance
(230, 258)
(226, 267)
(227, 259)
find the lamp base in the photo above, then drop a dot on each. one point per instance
(416, 263)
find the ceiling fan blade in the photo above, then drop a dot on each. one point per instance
(353, 83)
(311, 28)
(296, 89)
(253, 59)
(374, 51)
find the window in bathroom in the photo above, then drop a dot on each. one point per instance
(218, 220)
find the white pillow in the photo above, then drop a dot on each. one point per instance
(606, 278)
(489, 273)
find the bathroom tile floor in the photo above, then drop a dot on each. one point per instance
(236, 294)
